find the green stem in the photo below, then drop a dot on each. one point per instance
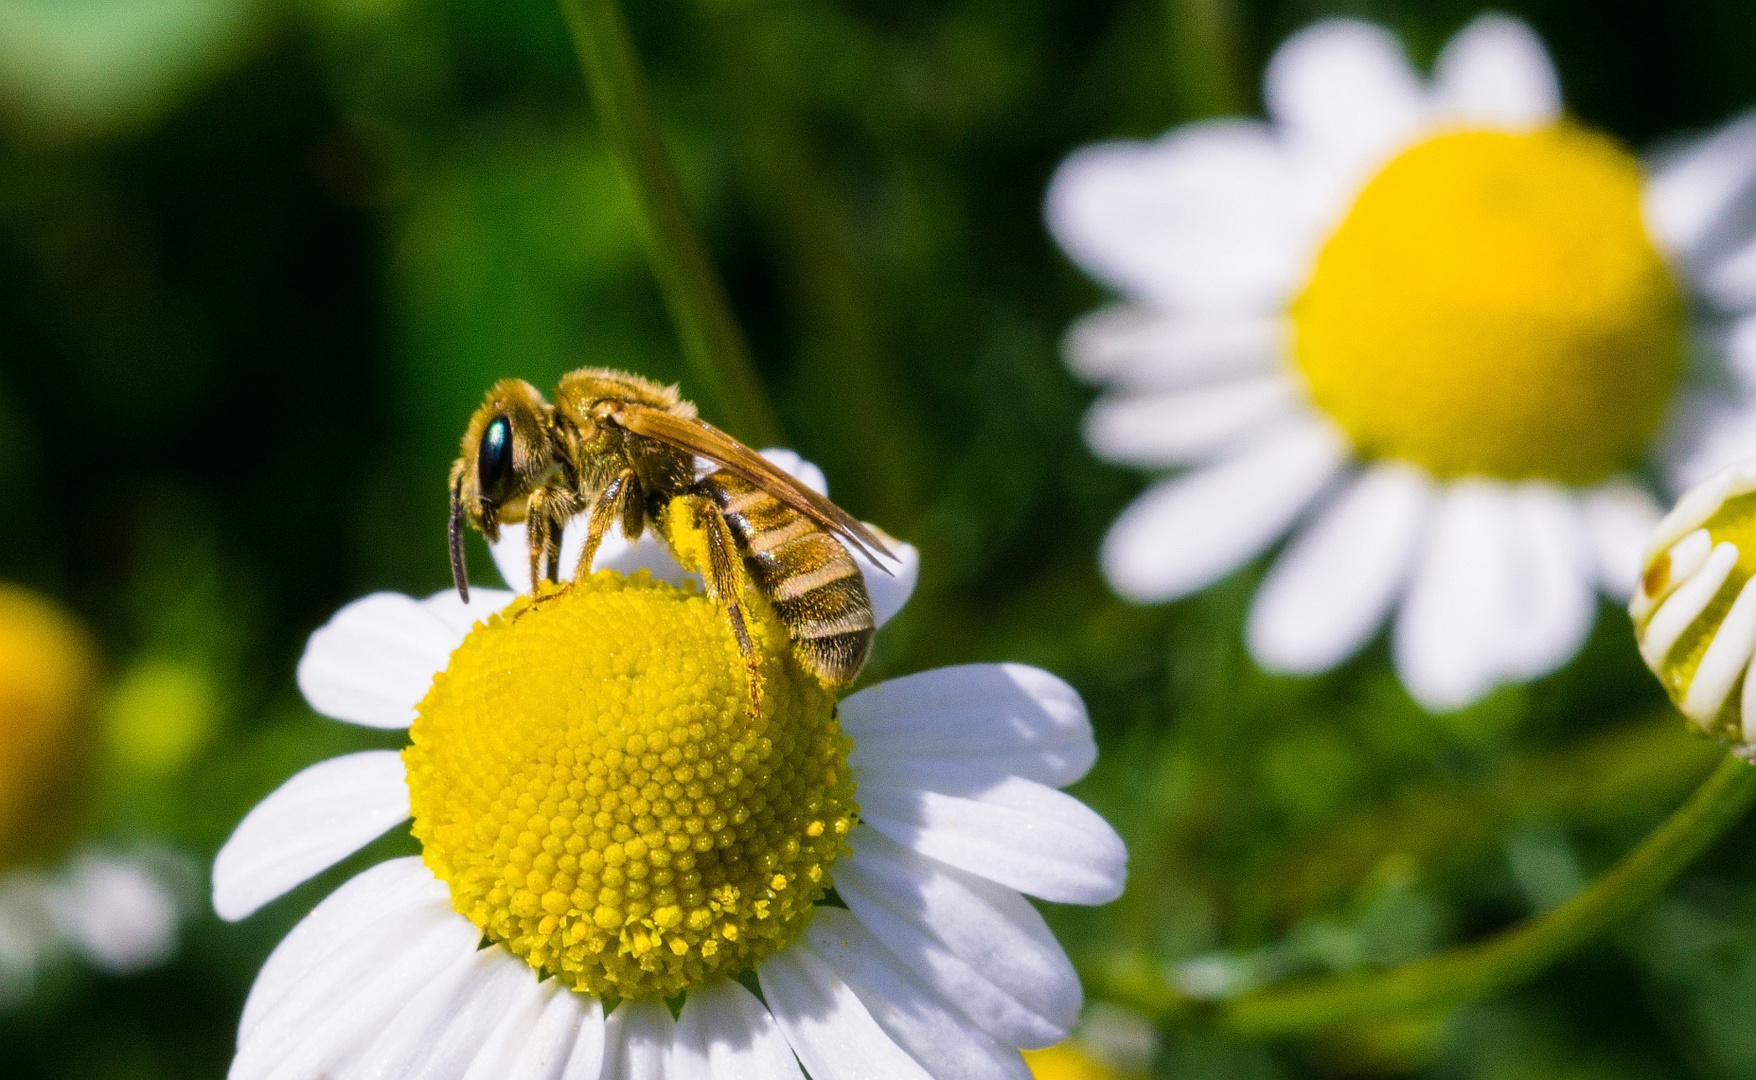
(713, 344)
(1477, 970)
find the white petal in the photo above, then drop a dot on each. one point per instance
(1690, 193)
(724, 1033)
(1557, 599)
(1619, 517)
(1017, 832)
(891, 584)
(830, 1031)
(1731, 281)
(1496, 72)
(1005, 719)
(375, 660)
(1502, 592)
(982, 945)
(586, 1059)
(805, 472)
(324, 1022)
(1138, 347)
(514, 1013)
(308, 824)
(1686, 604)
(637, 1041)
(392, 891)
(1737, 352)
(446, 1025)
(550, 1046)
(1210, 217)
(1725, 659)
(1686, 556)
(1344, 97)
(460, 617)
(939, 1037)
(1701, 502)
(1747, 704)
(1189, 531)
(1461, 604)
(1708, 429)
(116, 912)
(1185, 427)
(1334, 584)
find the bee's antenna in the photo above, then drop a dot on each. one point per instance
(459, 574)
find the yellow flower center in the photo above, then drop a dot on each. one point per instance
(48, 670)
(1493, 305)
(587, 778)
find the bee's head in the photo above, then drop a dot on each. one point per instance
(505, 455)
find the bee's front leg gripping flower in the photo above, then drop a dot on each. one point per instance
(1695, 610)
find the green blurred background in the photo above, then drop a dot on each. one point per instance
(260, 258)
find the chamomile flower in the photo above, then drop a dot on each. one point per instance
(1694, 611)
(1429, 329)
(606, 831)
(116, 911)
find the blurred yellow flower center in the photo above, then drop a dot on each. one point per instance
(587, 778)
(1067, 1061)
(1493, 305)
(48, 670)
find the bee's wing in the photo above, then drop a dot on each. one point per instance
(702, 438)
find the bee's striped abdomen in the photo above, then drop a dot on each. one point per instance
(815, 586)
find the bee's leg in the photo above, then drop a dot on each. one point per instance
(536, 533)
(552, 549)
(723, 578)
(602, 513)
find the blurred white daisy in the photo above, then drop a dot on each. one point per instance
(605, 830)
(116, 911)
(1428, 329)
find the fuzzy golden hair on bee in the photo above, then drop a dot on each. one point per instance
(589, 387)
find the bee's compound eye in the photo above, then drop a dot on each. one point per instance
(495, 456)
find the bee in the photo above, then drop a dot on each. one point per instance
(618, 447)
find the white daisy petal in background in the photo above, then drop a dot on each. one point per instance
(937, 967)
(1206, 219)
(1348, 282)
(1223, 514)
(1331, 590)
(116, 910)
(1496, 71)
(1342, 97)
